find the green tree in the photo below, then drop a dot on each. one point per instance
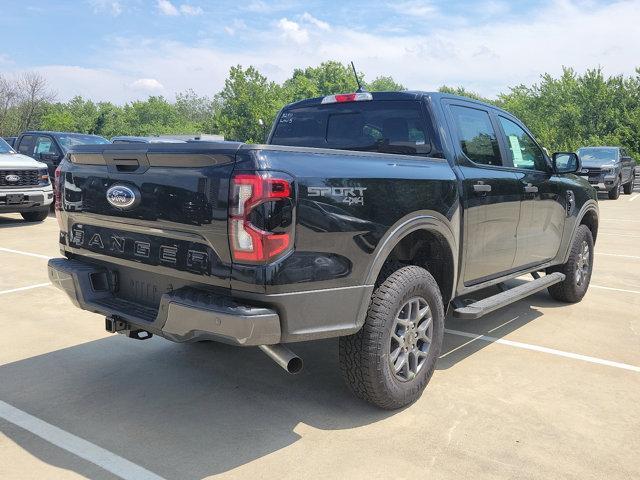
(384, 84)
(575, 110)
(463, 92)
(197, 110)
(247, 99)
(326, 79)
(76, 115)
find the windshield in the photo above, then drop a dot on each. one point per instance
(376, 126)
(69, 140)
(598, 155)
(5, 148)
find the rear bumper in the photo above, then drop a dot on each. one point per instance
(184, 315)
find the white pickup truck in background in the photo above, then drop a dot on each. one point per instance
(25, 186)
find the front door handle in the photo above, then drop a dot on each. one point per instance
(528, 188)
(481, 187)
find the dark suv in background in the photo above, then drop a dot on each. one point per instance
(607, 168)
(51, 147)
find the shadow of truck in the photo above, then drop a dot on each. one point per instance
(192, 410)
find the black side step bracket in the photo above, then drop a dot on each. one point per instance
(507, 297)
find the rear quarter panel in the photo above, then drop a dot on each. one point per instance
(347, 202)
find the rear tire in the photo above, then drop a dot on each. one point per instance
(389, 362)
(628, 187)
(35, 216)
(614, 193)
(578, 269)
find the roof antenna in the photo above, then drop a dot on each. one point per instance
(355, 74)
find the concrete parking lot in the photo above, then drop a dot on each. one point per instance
(537, 390)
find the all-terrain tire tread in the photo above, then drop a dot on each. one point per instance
(567, 291)
(361, 353)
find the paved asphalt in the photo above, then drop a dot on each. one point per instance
(549, 391)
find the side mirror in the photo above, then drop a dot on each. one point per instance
(566, 162)
(626, 159)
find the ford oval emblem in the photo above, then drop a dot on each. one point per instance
(12, 178)
(123, 197)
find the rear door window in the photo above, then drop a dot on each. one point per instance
(377, 126)
(478, 139)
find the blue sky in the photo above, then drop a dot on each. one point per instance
(120, 50)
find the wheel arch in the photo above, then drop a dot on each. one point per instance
(425, 239)
(589, 216)
(590, 219)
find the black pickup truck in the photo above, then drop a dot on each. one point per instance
(50, 147)
(366, 218)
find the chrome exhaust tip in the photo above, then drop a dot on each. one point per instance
(283, 357)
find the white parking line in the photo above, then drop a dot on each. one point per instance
(616, 255)
(71, 443)
(614, 289)
(536, 348)
(634, 197)
(619, 220)
(29, 254)
(618, 234)
(4, 292)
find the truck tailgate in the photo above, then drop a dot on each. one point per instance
(160, 208)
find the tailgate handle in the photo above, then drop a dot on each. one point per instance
(126, 161)
(126, 164)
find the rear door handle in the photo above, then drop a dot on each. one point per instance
(481, 187)
(530, 188)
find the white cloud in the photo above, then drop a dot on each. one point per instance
(167, 8)
(5, 59)
(236, 26)
(415, 8)
(486, 57)
(493, 7)
(113, 7)
(147, 85)
(259, 6)
(190, 10)
(308, 18)
(293, 31)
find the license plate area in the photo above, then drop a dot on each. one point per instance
(141, 287)
(14, 198)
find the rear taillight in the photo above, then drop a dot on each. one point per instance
(56, 189)
(57, 196)
(254, 243)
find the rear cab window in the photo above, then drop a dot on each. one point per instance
(386, 126)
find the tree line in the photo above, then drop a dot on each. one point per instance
(564, 112)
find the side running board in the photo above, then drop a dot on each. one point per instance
(502, 299)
